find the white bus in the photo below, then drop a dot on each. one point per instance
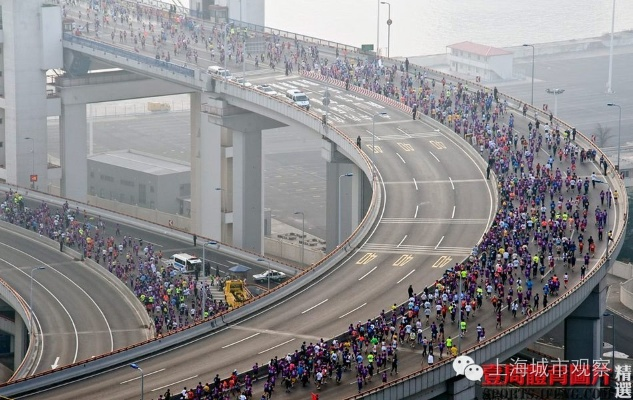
(185, 263)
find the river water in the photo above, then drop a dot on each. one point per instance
(423, 27)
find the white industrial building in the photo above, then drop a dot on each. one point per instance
(485, 63)
(140, 179)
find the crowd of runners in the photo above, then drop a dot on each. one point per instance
(172, 300)
(553, 212)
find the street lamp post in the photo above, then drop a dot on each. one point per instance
(204, 245)
(223, 210)
(459, 316)
(609, 89)
(227, 30)
(269, 269)
(33, 160)
(243, 36)
(378, 32)
(389, 27)
(31, 292)
(532, 46)
(555, 92)
(619, 131)
(303, 232)
(612, 339)
(339, 205)
(136, 367)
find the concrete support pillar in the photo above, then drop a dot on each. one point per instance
(248, 191)
(20, 340)
(25, 59)
(207, 166)
(74, 150)
(342, 199)
(460, 389)
(230, 173)
(583, 329)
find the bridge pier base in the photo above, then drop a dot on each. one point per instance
(227, 194)
(460, 389)
(583, 327)
(19, 341)
(248, 191)
(347, 206)
(73, 133)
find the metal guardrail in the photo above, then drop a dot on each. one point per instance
(118, 52)
(577, 292)
(193, 15)
(554, 312)
(124, 355)
(8, 294)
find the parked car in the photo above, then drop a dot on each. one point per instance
(267, 89)
(242, 81)
(276, 276)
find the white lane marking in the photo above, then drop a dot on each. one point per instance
(415, 183)
(436, 182)
(138, 377)
(401, 158)
(438, 243)
(72, 321)
(289, 298)
(349, 312)
(453, 215)
(416, 211)
(314, 306)
(422, 220)
(406, 276)
(55, 364)
(403, 131)
(241, 340)
(173, 383)
(274, 347)
(403, 239)
(452, 184)
(370, 271)
(434, 156)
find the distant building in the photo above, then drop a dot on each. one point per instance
(142, 180)
(485, 63)
(626, 162)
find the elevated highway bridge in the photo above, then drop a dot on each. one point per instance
(446, 183)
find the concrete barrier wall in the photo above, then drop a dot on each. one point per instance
(626, 293)
(291, 251)
(622, 270)
(146, 214)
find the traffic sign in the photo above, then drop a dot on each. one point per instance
(326, 101)
(389, 21)
(33, 178)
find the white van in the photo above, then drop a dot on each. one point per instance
(299, 98)
(185, 263)
(219, 71)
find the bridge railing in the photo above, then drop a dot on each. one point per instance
(118, 52)
(525, 330)
(194, 15)
(8, 294)
(182, 335)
